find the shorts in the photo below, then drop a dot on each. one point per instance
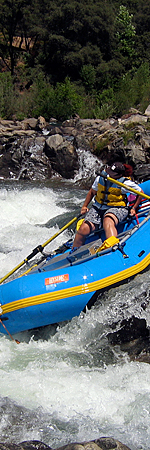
(96, 215)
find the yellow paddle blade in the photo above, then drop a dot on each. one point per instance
(112, 240)
(79, 223)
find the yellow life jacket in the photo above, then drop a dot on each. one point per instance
(109, 194)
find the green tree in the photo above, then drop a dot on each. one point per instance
(125, 32)
(11, 13)
(19, 19)
(88, 76)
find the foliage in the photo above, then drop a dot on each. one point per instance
(7, 96)
(88, 76)
(11, 24)
(101, 145)
(61, 101)
(126, 31)
(90, 58)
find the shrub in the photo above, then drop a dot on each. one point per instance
(7, 96)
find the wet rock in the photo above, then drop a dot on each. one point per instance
(27, 445)
(8, 446)
(24, 159)
(103, 443)
(62, 155)
(133, 336)
(126, 139)
(34, 445)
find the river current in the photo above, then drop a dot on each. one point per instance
(66, 383)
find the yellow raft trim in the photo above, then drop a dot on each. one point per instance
(77, 290)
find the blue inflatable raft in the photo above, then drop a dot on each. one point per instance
(60, 287)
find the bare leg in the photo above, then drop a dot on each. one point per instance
(109, 225)
(82, 233)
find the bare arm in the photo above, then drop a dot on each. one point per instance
(89, 197)
(136, 204)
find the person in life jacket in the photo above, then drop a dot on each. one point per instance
(110, 204)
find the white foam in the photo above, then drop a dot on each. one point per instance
(83, 388)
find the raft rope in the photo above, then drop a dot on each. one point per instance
(16, 340)
(136, 215)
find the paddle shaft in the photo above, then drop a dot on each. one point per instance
(61, 230)
(128, 188)
(39, 248)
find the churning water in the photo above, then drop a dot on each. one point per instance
(65, 383)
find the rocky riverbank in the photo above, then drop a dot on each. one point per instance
(36, 150)
(103, 443)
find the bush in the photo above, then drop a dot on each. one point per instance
(60, 102)
(7, 96)
(66, 99)
(42, 97)
(104, 104)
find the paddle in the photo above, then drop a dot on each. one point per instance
(128, 188)
(39, 248)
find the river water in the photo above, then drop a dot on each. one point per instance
(66, 383)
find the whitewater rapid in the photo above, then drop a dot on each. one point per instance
(65, 383)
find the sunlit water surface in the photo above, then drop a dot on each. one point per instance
(65, 383)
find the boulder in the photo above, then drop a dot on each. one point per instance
(53, 142)
(147, 111)
(104, 443)
(135, 153)
(24, 159)
(30, 123)
(41, 123)
(126, 139)
(62, 155)
(133, 336)
(142, 172)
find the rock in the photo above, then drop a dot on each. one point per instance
(53, 142)
(135, 153)
(142, 172)
(29, 123)
(82, 142)
(24, 159)
(41, 123)
(55, 130)
(34, 445)
(133, 337)
(62, 155)
(147, 111)
(104, 443)
(126, 139)
(133, 118)
(27, 445)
